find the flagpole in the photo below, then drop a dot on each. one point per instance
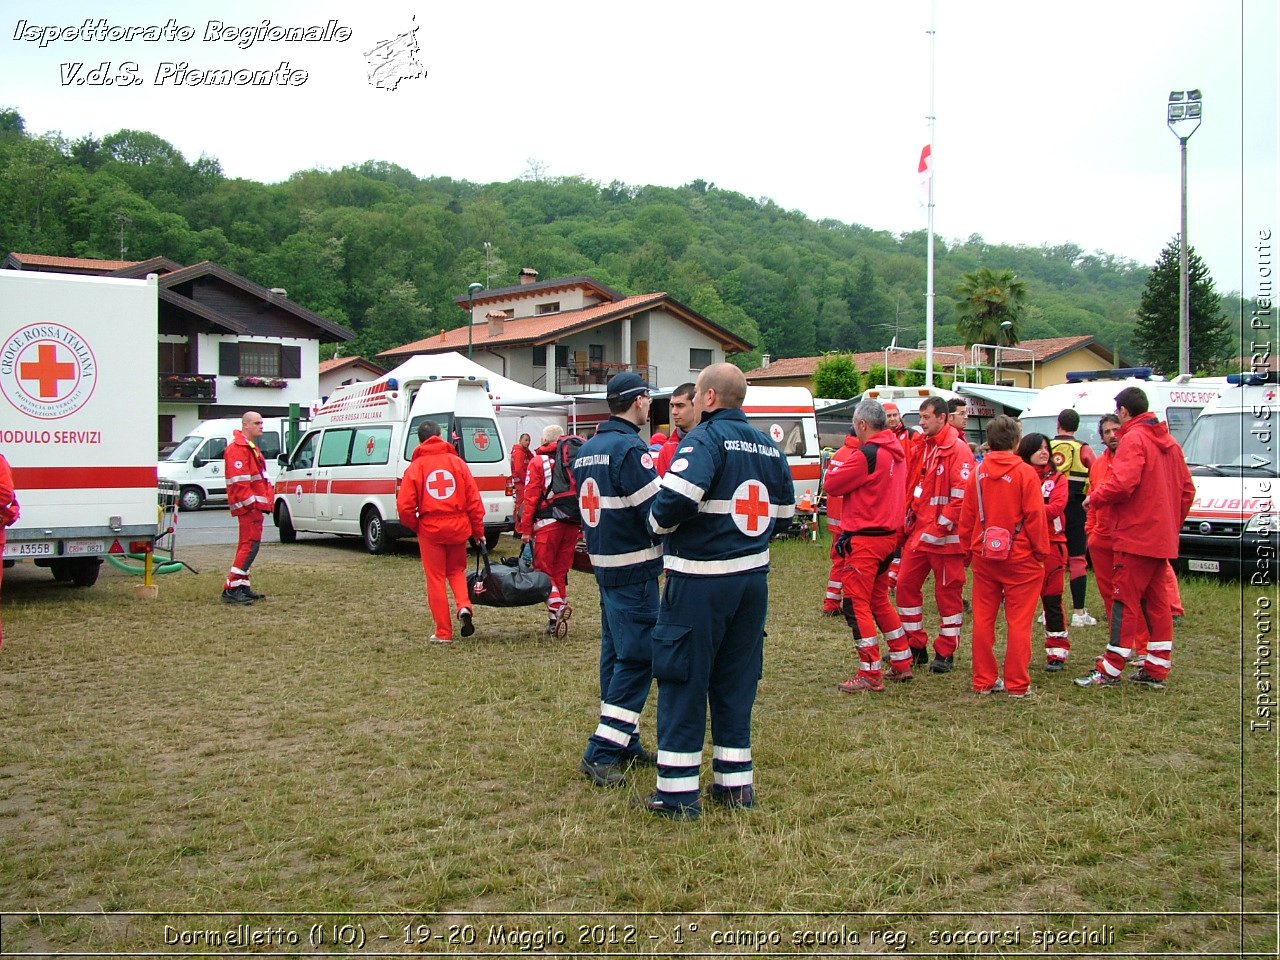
(929, 293)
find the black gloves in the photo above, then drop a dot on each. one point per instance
(844, 544)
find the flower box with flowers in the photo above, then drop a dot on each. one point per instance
(272, 383)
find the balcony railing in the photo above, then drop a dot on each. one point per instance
(594, 377)
(189, 387)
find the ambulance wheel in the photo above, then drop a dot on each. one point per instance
(374, 531)
(85, 572)
(191, 498)
(491, 538)
(285, 525)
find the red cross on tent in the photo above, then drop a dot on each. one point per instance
(750, 507)
(47, 370)
(589, 501)
(440, 484)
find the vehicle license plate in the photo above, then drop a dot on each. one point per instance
(1203, 566)
(29, 548)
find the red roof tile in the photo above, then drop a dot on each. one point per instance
(338, 363)
(71, 263)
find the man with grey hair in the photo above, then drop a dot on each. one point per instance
(870, 485)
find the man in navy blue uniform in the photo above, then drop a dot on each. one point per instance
(716, 508)
(616, 483)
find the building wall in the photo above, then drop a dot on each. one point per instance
(336, 378)
(670, 341)
(527, 306)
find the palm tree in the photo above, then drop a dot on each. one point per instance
(987, 302)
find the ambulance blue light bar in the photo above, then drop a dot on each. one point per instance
(1120, 373)
(393, 384)
(1253, 379)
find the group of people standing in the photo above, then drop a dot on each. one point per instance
(1022, 520)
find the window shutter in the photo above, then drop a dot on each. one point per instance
(229, 359)
(291, 362)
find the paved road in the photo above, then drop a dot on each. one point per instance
(211, 526)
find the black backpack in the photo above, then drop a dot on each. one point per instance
(561, 500)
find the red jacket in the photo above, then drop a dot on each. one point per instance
(933, 510)
(1150, 490)
(438, 498)
(246, 473)
(835, 504)
(8, 498)
(1097, 523)
(668, 451)
(1054, 487)
(1011, 494)
(537, 481)
(873, 498)
(520, 457)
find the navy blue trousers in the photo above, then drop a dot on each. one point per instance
(627, 615)
(708, 651)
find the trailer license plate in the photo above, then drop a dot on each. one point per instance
(84, 548)
(1203, 566)
(29, 548)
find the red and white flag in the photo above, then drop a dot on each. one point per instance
(926, 174)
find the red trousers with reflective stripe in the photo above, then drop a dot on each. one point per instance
(553, 547)
(1103, 563)
(1017, 586)
(1141, 607)
(1057, 644)
(948, 591)
(865, 586)
(445, 563)
(246, 548)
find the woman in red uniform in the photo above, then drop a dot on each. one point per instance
(1034, 450)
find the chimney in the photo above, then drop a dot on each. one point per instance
(528, 275)
(765, 360)
(280, 292)
(497, 321)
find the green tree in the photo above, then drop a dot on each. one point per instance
(1155, 334)
(986, 301)
(837, 377)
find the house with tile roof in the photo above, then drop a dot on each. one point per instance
(343, 370)
(1032, 363)
(225, 343)
(571, 335)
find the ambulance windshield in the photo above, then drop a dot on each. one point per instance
(1233, 443)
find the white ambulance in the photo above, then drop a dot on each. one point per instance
(195, 464)
(1233, 529)
(1092, 393)
(786, 414)
(344, 473)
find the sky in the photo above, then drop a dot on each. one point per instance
(1050, 118)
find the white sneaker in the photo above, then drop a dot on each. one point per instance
(1082, 619)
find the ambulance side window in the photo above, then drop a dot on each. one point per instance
(335, 448)
(1180, 420)
(269, 444)
(372, 446)
(214, 449)
(304, 458)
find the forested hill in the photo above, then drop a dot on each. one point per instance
(385, 252)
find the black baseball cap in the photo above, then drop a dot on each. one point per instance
(624, 386)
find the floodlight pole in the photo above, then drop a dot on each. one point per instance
(1180, 111)
(471, 313)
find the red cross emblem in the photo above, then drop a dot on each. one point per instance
(751, 508)
(589, 502)
(440, 484)
(1270, 394)
(47, 371)
(368, 447)
(481, 440)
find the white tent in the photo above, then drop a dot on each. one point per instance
(503, 390)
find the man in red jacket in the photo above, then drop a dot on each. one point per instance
(831, 605)
(869, 484)
(1012, 499)
(683, 419)
(249, 496)
(1149, 493)
(9, 511)
(520, 457)
(933, 539)
(1097, 524)
(440, 502)
(554, 540)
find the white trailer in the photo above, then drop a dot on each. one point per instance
(78, 417)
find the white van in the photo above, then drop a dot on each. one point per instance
(195, 464)
(1233, 529)
(344, 474)
(1092, 393)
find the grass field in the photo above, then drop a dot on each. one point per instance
(314, 755)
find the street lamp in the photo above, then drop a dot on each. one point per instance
(1185, 110)
(471, 313)
(1006, 327)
